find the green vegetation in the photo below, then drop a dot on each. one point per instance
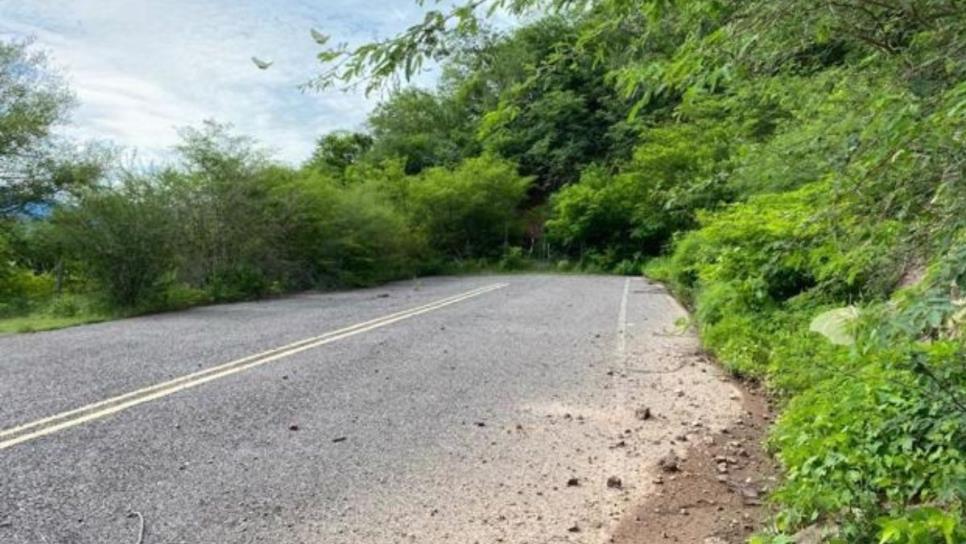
(794, 170)
(788, 167)
(226, 224)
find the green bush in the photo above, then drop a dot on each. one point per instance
(20, 289)
(513, 259)
(635, 212)
(18, 286)
(874, 436)
(123, 238)
(469, 211)
(876, 443)
(240, 282)
(66, 306)
(348, 235)
(178, 296)
(627, 267)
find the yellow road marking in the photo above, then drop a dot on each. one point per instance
(104, 408)
(198, 374)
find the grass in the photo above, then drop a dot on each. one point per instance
(70, 310)
(37, 322)
(56, 312)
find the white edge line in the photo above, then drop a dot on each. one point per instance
(622, 321)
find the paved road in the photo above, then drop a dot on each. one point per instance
(438, 410)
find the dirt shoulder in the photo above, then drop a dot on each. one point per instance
(714, 492)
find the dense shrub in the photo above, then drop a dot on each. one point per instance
(658, 192)
(874, 435)
(19, 287)
(346, 235)
(469, 211)
(123, 238)
(227, 224)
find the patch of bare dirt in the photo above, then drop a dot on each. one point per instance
(714, 494)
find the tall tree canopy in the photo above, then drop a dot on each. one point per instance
(34, 166)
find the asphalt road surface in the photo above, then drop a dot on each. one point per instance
(472, 409)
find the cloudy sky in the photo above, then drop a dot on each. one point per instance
(140, 68)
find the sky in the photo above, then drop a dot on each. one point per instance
(142, 68)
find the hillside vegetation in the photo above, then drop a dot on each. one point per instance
(795, 170)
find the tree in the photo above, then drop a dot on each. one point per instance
(345, 231)
(34, 167)
(558, 114)
(220, 196)
(378, 63)
(338, 150)
(425, 129)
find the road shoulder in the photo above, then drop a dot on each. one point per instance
(714, 493)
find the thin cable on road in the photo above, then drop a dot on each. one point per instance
(134, 513)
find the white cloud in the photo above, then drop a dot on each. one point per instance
(140, 68)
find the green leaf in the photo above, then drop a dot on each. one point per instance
(836, 324)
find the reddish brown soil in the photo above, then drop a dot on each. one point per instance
(716, 494)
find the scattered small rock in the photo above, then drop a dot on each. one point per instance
(670, 462)
(643, 413)
(749, 495)
(339, 439)
(573, 482)
(293, 427)
(614, 483)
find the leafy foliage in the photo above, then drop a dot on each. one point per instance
(558, 115)
(34, 165)
(337, 151)
(423, 129)
(468, 211)
(123, 238)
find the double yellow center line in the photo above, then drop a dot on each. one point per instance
(71, 418)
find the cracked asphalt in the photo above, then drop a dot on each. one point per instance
(498, 418)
